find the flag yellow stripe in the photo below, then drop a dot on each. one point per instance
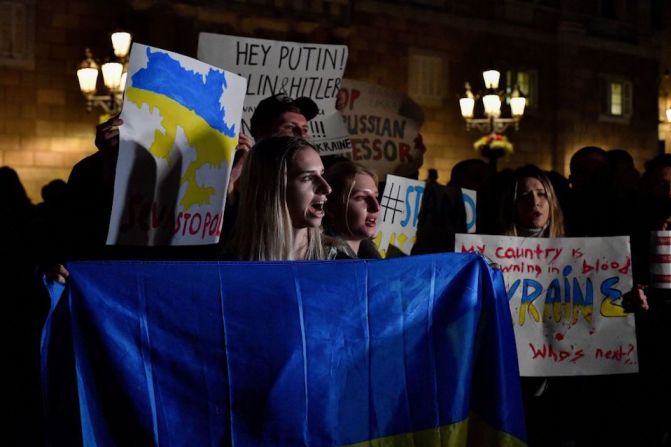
(469, 432)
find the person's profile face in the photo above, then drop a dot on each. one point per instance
(363, 208)
(291, 124)
(531, 203)
(306, 189)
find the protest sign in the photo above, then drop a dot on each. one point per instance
(181, 123)
(399, 213)
(470, 200)
(660, 259)
(382, 125)
(565, 297)
(295, 69)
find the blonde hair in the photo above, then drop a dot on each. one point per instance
(263, 230)
(509, 209)
(341, 177)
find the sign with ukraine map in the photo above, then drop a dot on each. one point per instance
(181, 123)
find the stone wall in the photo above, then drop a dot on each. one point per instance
(45, 129)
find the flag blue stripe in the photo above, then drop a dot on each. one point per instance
(314, 353)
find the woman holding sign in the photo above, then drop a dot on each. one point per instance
(352, 211)
(282, 197)
(531, 208)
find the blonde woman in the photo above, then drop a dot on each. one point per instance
(530, 207)
(352, 211)
(282, 198)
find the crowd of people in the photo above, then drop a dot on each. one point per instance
(285, 202)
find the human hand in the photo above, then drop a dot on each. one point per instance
(107, 134)
(57, 272)
(635, 299)
(241, 153)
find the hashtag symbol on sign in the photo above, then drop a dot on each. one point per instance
(388, 206)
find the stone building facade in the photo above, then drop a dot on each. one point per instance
(574, 58)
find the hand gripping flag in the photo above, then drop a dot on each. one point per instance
(417, 351)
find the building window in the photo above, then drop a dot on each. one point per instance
(527, 83)
(17, 34)
(616, 98)
(426, 78)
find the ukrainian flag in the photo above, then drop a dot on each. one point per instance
(415, 351)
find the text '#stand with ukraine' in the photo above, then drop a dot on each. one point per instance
(181, 125)
(412, 351)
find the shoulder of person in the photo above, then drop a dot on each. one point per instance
(336, 248)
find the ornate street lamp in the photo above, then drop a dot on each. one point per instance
(114, 76)
(491, 101)
(494, 145)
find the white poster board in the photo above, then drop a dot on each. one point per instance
(470, 198)
(565, 298)
(399, 213)
(296, 69)
(181, 122)
(382, 124)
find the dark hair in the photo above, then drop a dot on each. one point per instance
(585, 152)
(270, 108)
(660, 161)
(461, 169)
(617, 156)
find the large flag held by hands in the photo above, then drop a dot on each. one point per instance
(414, 351)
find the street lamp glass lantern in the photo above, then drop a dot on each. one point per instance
(517, 105)
(87, 74)
(121, 43)
(87, 80)
(112, 75)
(492, 105)
(491, 78)
(467, 105)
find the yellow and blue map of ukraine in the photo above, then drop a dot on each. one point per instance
(188, 100)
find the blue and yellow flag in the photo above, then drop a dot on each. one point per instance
(415, 351)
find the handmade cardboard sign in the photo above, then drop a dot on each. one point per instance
(565, 296)
(295, 69)
(181, 122)
(383, 125)
(399, 213)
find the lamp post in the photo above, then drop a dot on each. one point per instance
(491, 101)
(492, 123)
(114, 76)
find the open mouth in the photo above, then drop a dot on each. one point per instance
(371, 222)
(317, 208)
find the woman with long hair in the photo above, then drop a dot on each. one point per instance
(282, 198)
(530, 207)
(352, 210)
